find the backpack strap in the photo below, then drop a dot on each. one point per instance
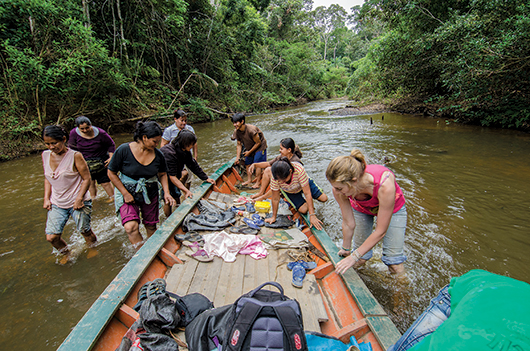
(278, 286)
(181, 307)
(242, 326)
(291, 327)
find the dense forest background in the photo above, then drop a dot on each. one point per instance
(115, 60)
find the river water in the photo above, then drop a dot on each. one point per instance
(467, 191)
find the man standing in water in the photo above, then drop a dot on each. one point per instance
(252, 138)
(171, 132)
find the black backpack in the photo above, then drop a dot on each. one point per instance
(259, 320)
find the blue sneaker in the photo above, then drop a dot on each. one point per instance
(306, 265)
(298, 275)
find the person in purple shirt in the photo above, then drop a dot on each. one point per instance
(97, 148)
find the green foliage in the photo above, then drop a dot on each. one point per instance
(57, 71)
(110, 59)
(470, 55)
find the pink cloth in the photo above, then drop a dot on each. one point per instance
(66, 183)
(371, 206)
(227, 246)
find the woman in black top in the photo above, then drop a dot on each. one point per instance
(141, 166)
(178, 155)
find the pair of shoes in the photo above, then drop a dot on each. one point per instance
(299, 271)
(253, 224)
(198, 253)
(243, 229)
(152, 288)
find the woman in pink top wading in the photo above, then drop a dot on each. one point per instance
(66, 184)
(364, 192)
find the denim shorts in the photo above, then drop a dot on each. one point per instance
(259, 156)
(57, 218)
(298, 200)
(392, 242)
(131, 212)
(438, 311)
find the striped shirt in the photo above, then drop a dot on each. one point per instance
(298, 181)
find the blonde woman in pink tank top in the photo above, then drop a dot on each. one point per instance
(66, 183)
(364, 192)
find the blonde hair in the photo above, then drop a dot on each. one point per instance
(344, 169)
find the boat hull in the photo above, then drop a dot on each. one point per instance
(351, 308)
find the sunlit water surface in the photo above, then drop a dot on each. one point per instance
(467, 191)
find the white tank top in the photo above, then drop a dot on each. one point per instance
(65, 182)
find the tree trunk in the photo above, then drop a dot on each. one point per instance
(86, 12)
(123, 45)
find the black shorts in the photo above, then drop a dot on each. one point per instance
(100, 176)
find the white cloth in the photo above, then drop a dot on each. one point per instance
(227, 246)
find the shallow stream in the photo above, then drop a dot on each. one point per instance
(467, 191)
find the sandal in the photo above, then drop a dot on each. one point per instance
(198, 253)
(243, 229)
(237, 209)
(193, 243)
(251, 223)
(258, 220)
(250, 207)
(189, 236)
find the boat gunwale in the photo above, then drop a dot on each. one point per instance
(379, 322)
(87, 331)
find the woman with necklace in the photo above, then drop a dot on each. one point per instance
(364, 192)
(141, 166)
(97, 148)
(66, 184)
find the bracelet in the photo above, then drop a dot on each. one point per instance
(342, 247)
(312, 214)
(357, 255)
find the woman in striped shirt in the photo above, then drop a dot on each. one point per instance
(292, 179)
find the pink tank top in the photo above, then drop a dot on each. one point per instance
(66, 183)
(371, 206)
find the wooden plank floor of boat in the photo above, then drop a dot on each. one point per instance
(224, 282)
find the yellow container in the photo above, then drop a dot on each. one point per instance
(262, 206)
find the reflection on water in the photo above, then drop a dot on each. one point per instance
(467, 196)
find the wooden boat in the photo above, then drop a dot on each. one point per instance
(337, 305)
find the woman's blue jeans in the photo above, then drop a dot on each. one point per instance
(438, 311)
(393, 241)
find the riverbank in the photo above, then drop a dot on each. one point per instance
(28, 145)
